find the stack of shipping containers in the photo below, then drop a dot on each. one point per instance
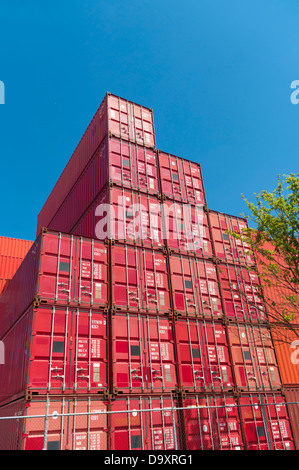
(129, 305)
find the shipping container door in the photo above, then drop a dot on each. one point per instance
(186, 229)
(49, 369)
(195, 287)
(143, 354)
(212, 423)
(147, 170)
(139, 280)
(90, 354)
(253, 357)
(144, 424)
(265, 422)
(66, 424)
(239, 293)
(136, 218)
(73, 271)
(203, 356)
(192, 182)
(69, 351)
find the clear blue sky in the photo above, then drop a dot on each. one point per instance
(216, 73)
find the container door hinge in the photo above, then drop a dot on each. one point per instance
(161, 197)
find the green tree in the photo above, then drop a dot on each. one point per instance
(274, 240)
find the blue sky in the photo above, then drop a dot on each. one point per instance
(217, 75)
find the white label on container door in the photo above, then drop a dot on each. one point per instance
(150, 280)
(165, 352)
(95, 348)
(85, 269)
(151, 183)
(112, 113)
(98, 290)
(82, 348)
(97, 271)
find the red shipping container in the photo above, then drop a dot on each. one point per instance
(85, 431)
(58, 350)
(240, 288)
(143, 356)
(195, 287)
(228, 248)
(140, 281)
(186, 229)
(266, 422)
(253, 357)
(61, 269)
(203, 356)
(117, 163)
(181, 179)
(144, 423)
(116, 116)
(212, 423)
(123, 215)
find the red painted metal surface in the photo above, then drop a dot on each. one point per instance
(143, 355)
(195, 287)
(68, 432)
(240, 293)
(292, 400)
(186, 229)
(253, 357)
(12, 253)
(277, 292)
(116, 162)
(286, 345)
(266, 422)
(203, 356)
(228, 248)
(139, 280)
(59, 268)
(58, 350)
(117, 213)
(151, 429)
(181, 179)
(122, 118)
(213, 423)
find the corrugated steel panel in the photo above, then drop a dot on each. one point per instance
(61, 269)
(292, 400)
(253, 357)
(228, 248)
(70, 432)
(14, 247)
(140, 282)
(266, 422)
(195, 287)
(143, 355)
(286, 343)
(275, 293)
(144, 426)
(181, 179)
(203, 356)
(122, 118)
(119, 163)
(55, 350)
(239, 287)
(213, 423)
(186, 229)
(12, 253)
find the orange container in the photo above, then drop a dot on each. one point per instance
(286, 345)
(12, 253)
